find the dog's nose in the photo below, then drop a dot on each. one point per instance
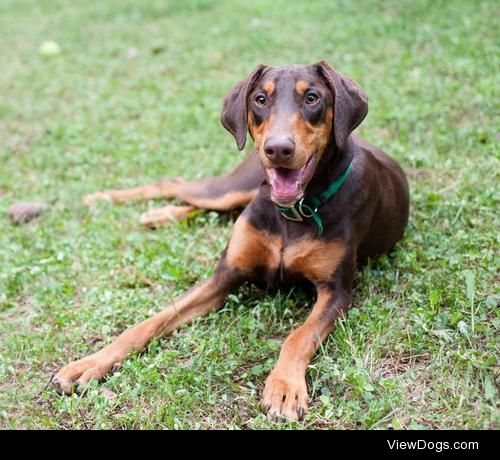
(279, 148)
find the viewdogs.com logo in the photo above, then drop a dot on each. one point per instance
(437, 446)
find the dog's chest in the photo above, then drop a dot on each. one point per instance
(270, 255)
(312, 259)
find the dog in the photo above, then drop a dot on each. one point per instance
(319, 201)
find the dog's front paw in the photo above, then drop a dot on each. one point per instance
(285, 396)
(158, 217)
(82, 372)
(89, 200)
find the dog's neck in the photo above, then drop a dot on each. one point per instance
(332, 165)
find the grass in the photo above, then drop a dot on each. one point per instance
(135, 96)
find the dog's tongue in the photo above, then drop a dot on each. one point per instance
(285, 183)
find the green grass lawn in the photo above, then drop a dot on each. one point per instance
(134, 96)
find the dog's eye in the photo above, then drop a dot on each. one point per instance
(260, 100)
(311, 98)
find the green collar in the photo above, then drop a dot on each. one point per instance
(308, 205)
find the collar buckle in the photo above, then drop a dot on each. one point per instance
(303, 208)
(291, 213)
(298, 211)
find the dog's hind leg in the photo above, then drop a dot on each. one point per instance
(219, 193)
(165, 189)
(223, 193)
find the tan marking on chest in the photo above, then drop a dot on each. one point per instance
(316, 260)
(250, 248)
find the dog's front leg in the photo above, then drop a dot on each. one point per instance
(285, 392)
(199, 301)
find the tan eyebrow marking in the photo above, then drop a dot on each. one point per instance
(269, 87)
(301, 87)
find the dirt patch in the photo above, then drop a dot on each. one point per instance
(413, 385)
(397, 365)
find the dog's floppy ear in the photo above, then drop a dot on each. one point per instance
(350, 102)
(234, 108)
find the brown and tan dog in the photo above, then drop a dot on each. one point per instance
(319, 202)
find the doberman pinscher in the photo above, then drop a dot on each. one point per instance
(320, 200)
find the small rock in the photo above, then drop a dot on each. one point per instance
(26, 211)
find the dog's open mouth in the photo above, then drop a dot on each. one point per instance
(287, 185)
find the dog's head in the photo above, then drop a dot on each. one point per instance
(293, 113)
